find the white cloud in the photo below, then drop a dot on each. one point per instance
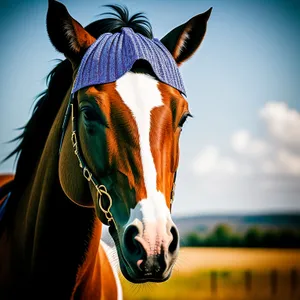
(277, 154)
(251, 172)
(209, 160)
(289, 162)
(243, 143)
(283, 123)
(282, 162)
(268, 166)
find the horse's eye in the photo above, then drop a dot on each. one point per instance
(183, 119)
(90, 114)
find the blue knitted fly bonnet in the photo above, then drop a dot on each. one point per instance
(112, 55)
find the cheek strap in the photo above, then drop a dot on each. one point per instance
(104, 200)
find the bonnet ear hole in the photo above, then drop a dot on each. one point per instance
(144, 67)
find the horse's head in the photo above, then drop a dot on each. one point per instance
(126, 132)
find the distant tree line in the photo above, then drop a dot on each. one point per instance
(223, 236)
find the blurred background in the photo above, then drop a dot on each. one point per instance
(237, 201)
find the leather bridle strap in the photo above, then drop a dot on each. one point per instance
(87, 174)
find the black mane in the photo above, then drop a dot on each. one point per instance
(35, 132)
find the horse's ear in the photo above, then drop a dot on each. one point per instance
(184, 40)
(65, 33)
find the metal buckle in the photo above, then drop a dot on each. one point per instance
(74, 139)
(102, 190)
(109, 216)
(87, 174)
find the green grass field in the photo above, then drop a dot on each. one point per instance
(191, 277)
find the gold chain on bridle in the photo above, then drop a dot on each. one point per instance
(87, 174)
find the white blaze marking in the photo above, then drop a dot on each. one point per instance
(141, 94)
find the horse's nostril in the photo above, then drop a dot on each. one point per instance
(131, 244)
(140, 264)
(143, 266)
(174, 244)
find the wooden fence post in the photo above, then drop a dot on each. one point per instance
(294, 281)
(248, 280)
(274, 281)
(213, 282)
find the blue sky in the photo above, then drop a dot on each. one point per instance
(240, 152)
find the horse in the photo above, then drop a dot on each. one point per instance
(101, 147)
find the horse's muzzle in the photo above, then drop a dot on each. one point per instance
(150, 250)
